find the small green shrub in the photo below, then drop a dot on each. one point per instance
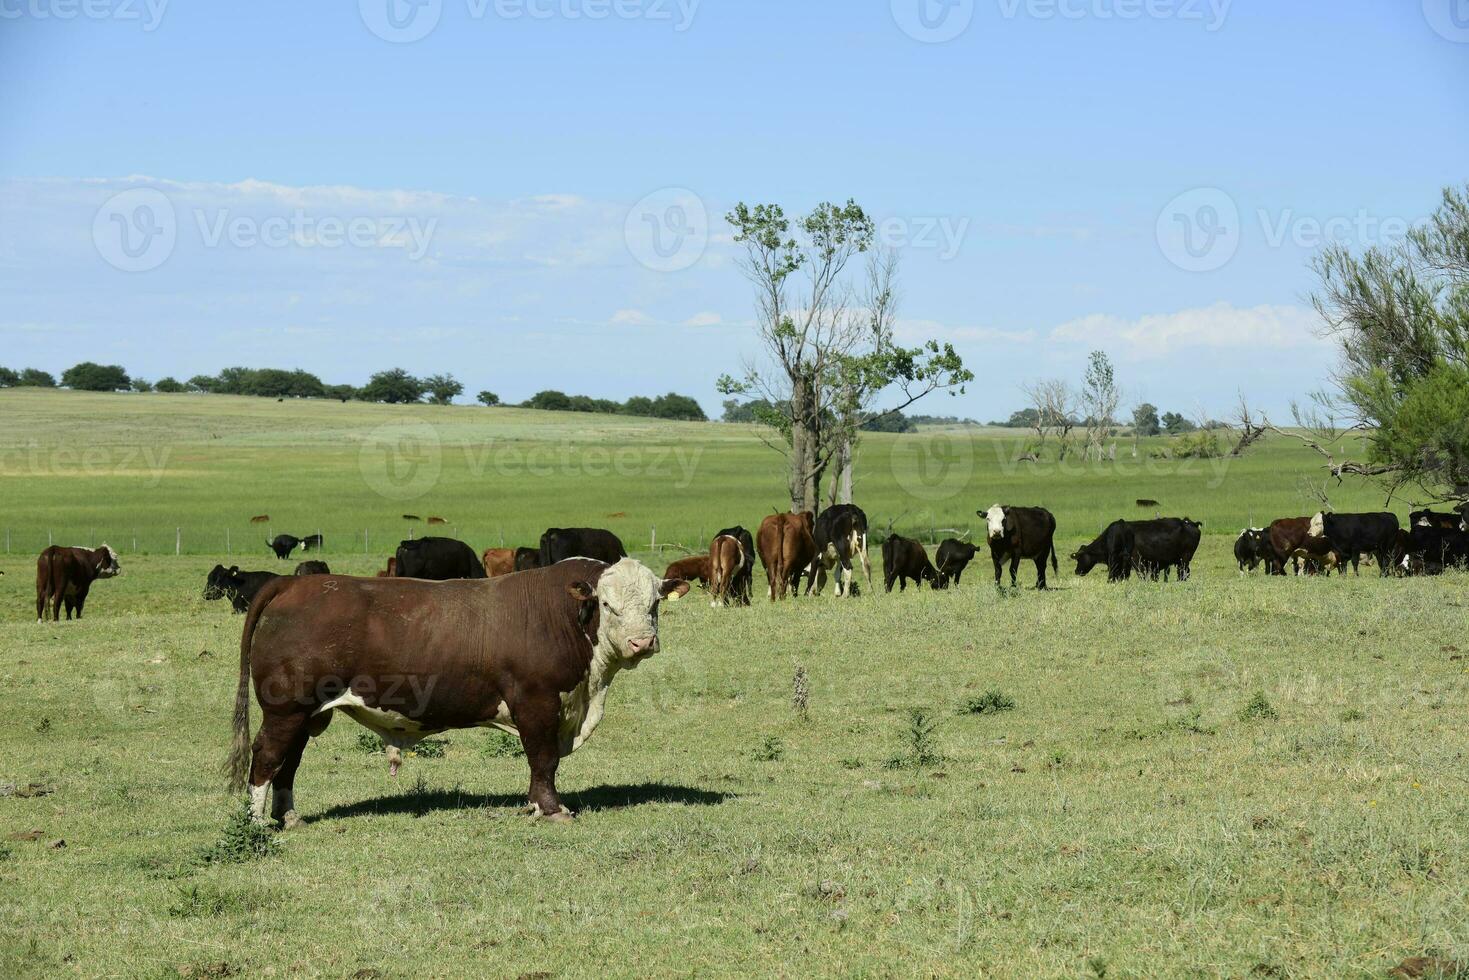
(243, 840)
(1352, 714)
(501, 745)
(1258, 708)
(431, 748)
(919, 746)
(369, 742)
(773, 749)
(988, 703)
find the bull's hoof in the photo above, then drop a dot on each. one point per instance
(562, 815)
(290, 821)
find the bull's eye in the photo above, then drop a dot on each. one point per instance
(608, 606)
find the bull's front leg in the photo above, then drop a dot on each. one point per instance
(538, 719)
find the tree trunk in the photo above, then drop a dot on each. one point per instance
(805, 477)
(841, 487)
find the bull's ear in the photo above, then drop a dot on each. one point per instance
(580, 591)
(673, 588)
(234, 568)
(1075, 555)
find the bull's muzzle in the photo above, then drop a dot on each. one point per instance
(642, 646)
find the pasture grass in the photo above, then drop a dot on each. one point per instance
(1132, 812)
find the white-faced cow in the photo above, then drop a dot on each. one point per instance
(1352, 534)
(532, 654)
(65, 575)
(1021, 532)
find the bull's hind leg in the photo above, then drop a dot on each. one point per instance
(274, 759)
(1040, 573)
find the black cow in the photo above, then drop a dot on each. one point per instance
(283, 545)
(1253, 547)
(1430, 518)
(904, 558)
(237, 586)
(953, 557)
(1431, 549)
(438, 559)
(526, 558)
(742, 584)
(1352, 534)
(561, 543)
(311, 541)
(840, 535)
(1147, 547)
(1021, 532)
(312, 568)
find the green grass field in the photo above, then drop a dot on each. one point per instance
(1229, 777)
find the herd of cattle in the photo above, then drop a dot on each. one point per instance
(422, 648)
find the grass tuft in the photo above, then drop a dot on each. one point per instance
(988, 703)
(1258, 708)
(243, 840)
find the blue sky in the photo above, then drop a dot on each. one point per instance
(1148, 177)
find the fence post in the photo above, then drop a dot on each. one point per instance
(48, 537)
(178, 541)
(653, 540)
(364, 540)
(226, 540)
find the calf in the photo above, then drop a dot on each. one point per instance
(283, 545)
(312, 568)
(1314, 556)
(840, 536)
(526, 558)
(1251, 548)
(65, 576)
(953, 557)
(240, 588)
(311, 542)
(1431, 549)
(391, 570)
(690, 568)
(726, 560)
(904, 559)
(561, 543)
(1021, 532)
(498, 561)
(438, 559)
(742, 584)
(395, 657)
(1352, 534)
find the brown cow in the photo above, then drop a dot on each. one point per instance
(498, 561)
(260, 519)
(726, 560)
(786, 548)
(65, 575)
(532, 654)
(391, 571)
(1287, 536)
(690, 568)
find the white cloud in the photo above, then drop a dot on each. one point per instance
(1219, 326)
(918, 331)
(631, 318)
(705, 319)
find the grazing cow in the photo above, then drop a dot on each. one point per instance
(1314, 556)
(1147, 547)
(690, 568)
(438, 559)
(1147, 502)
(283, 545)
(312, 568)
(1021, 532)
(1430, 549)
(727, 561)
(240, 588)
(527, 558)
(436, 520)
(904, 558)
(1429, 518)
(311, 541)
(786, 549)
(412, 517)
(561, 543)
(391, 571)
(531, 654)
(498, 561)
(1287, 536)
(953, 557)
(1251, 548)
(1352, 534)
(65, 576)
(840, 535)
(260, 519)
(743, 583)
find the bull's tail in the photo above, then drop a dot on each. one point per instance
(866, 562)
(1054, 567)
(237, 766)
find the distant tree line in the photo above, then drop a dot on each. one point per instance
(393, 387)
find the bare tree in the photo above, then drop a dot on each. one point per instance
(1249, 429)
(1099, 399)
(1055, 405)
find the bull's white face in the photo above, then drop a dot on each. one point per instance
(628, 595)
(1318, 525)
(109, 566)
(995, 518)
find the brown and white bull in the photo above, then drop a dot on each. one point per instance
(65, 575)
(727, 559)
(532, 654)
